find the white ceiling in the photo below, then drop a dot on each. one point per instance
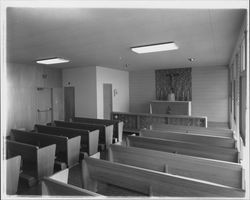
(103, 37)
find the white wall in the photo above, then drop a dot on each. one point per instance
(22, 101)
(209, 92)
(84, 81)
(142, 90)
(120, 81)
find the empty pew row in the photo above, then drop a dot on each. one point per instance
(38, 162)
(194, 138)
(150, 182)
(186, 148)
(12, 174)
(57, 185)
(221, 172)
(105, 132)
(118, 125)
(194, 130)
(67, 149)
(89, 139)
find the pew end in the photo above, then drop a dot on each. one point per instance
(97, 155)
(109, 130)
(61, 176)
(59, 165)
(120, 130)
(83, 155)
(12, 174)
(73, 151)
(87, 182)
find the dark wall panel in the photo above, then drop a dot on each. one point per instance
(180, 80)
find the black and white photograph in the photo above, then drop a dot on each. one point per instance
(125, 99)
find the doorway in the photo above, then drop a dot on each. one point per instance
(69, 103)
(44, 105)
(107, 100)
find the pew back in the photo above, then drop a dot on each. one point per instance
(194, 138)
(185, 148)
(69, 148)
(105, 132)
(39, 139)
(89, 139)
(118, 125)
(220, 172)
(150, 182)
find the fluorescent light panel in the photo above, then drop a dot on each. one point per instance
(51, 61)
(155, 48)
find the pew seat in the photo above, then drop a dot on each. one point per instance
(186, 148)
(150, 182)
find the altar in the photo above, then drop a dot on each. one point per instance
(170, 107)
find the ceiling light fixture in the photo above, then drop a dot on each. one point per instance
(51, 61)
(155, 47)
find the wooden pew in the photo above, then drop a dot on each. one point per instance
(57, 185)
(195, 130)
(89, 139)
(221, 172)
(150, 182)
(185, 148)
(67, 149)
(12, 174)
(38, 162)
(118, 125)
(194, 138)
(105, 132)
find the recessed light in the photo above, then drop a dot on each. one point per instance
(51, 61)
(191, 59)
(155, 47)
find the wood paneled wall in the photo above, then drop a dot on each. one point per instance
(22, 83)
(209, 92)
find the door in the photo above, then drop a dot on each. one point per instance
(69, 103)
(44, 105)
(107, 100)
